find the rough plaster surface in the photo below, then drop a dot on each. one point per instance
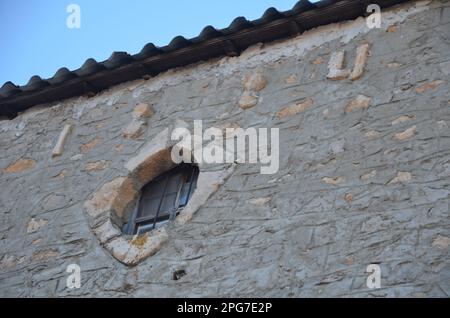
(358, 187)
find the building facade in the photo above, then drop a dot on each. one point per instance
(363, 116)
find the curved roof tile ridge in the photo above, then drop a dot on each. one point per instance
(93, 76)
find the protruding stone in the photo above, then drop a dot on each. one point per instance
(21, 165)
(59, 147)
(295, 109)
(34, 225)
(362, 54)
(292, 79)
(373, 134)
(143, 110)
(248, 100)
(349, 198)
(392, 28)
(318, 61)
(61, 175)
(96, 166)
(335, 66)
(333, 181)
(408, 133)
(36, 241)
(208, 183)
(403, 119)
(255, 82)
(393, 65)
(369, 175)
(429, 86)
(361, 102)
(401, 178)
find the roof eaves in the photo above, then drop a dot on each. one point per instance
(93, 76)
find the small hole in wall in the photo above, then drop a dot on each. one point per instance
(178, 274)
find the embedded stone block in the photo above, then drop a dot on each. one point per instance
(58, 150)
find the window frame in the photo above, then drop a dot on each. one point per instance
(153, 222)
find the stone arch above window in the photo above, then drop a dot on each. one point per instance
(111, 206)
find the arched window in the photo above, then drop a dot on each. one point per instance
(162, 199)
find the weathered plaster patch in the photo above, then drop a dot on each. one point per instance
(295, 109)
(20, 165)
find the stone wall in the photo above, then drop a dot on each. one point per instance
(364, 173)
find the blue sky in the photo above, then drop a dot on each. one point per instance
(36, 41)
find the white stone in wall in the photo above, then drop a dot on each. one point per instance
(336, 66)
(59, 147)
(362, 55)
